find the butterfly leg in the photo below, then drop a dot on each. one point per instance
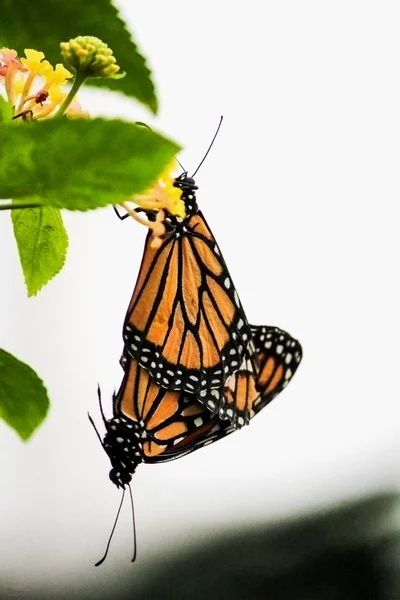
(150, 214)
(120, 217)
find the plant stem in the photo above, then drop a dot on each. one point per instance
(79, 80)
(14, 206)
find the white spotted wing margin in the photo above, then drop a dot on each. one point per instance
(278, 355)
(166, 434)
(271, 359)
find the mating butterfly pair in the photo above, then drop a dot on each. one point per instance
(152, 424)
(195, 370)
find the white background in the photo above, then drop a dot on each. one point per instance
(301, 190)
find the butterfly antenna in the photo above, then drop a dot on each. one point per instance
(210, 146)
(95, 428)
(180, 164)
(134, 526)
(100, 404)
(112, 531)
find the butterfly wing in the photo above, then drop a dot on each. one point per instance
(152, 424)
(278, 355)
(240, 393)
(171, 424)
(174, 423)
(211, 431)
(185, 323)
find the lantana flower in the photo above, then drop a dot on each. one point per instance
(34, 88)
(162, 197)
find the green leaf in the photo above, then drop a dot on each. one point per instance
(42, 244)
(43, 25)
(80, 164)
(23, 398)
(6, 113)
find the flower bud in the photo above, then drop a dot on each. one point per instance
(90, 57)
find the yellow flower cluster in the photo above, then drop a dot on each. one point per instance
(33, 86)
(163, 197)
(34, 90)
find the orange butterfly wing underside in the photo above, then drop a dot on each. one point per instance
(185, 323)
(175, 423)
(279, 355)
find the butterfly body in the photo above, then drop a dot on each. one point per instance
(122, 442)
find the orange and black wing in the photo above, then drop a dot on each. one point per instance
(278, 355)
(273, 357)
(240, 394)
(152, 424)
(185, 323)
(169, 424)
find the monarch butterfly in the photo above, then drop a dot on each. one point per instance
(185, 323)
(151, 424)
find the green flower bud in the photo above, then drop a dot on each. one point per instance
(90, 57)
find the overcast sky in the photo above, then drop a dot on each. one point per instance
(301, 190)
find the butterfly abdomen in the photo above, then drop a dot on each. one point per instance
(122, 443)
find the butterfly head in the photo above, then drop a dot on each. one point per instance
(122, 444)
(188, 187)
